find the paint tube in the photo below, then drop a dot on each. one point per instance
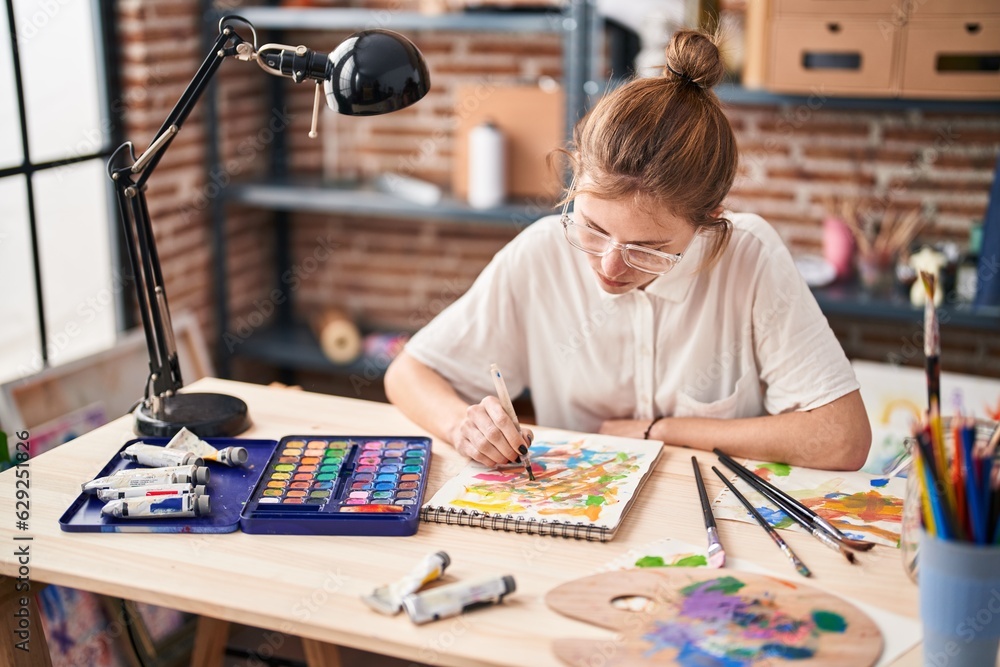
(389, 599)
(171, 507)
(186, 441)
(132, 477)
(153, 490)
(232, 456)
(155, 456)
(454, 599)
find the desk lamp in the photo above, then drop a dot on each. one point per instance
(371, 72)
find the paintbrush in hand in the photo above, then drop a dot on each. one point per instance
(800, 567)
(716, 554)
(504, 396)
(787, 501)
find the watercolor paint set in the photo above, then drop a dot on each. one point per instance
(341, 486)
(300, 485)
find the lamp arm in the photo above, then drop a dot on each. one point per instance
(227, 44)
(164, 368)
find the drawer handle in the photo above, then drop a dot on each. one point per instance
(835, 27)
(820, 60)
(973, 28)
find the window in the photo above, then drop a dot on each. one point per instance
(61, 295)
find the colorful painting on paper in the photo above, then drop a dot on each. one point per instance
(589, 479)
(77, 629)
(717, 622)
(895, 397)
(67, 427)
(666, 552)
(863, 506)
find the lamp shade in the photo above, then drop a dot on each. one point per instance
(374, 72)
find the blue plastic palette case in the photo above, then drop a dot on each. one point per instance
(300, 485)
(336, 485)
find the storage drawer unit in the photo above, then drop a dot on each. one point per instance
(957, 57)
(831, 56)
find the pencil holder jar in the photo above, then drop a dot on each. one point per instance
(912, 527)
(959, 602)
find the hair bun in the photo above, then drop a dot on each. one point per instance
(694, 57)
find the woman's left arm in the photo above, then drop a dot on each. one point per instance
(835, 436)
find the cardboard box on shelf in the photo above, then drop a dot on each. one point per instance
(532, 122)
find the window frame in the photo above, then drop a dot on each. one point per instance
(109, 80)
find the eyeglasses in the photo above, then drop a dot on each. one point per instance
(599, 244)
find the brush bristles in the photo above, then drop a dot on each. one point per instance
(857, 545)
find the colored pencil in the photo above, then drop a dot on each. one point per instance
(932, 482)
(772, 533)
(788, 501)
(716, 554)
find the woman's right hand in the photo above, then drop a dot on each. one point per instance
(487, 435)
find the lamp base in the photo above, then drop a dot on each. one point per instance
(205, 415)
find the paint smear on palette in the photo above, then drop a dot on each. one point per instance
(717, 625)
(863, 506)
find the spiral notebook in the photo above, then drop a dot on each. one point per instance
(584, 485)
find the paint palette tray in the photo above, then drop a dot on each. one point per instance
(228, 488)
(340, 485)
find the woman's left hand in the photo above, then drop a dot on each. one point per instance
(626, 428)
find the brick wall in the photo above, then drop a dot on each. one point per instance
(398, 274)
(161, 50)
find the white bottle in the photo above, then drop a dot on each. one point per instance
(487, 166)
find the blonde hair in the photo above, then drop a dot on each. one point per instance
(666, 139)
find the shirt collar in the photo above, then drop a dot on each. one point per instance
(675, 285)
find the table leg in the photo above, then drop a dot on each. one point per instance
(210, 641)
(21, 626)
(321, 654)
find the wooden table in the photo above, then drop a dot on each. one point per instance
(310, 585)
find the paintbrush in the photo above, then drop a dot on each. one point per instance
(716, 554)
(508, 407)
(759, 482)
(799, 517)
(787, 550)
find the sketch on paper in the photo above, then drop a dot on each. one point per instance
(580, 478)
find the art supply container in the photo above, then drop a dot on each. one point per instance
(911, 529)
(959, 602)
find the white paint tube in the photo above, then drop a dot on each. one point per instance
(155, 456)
(389, 599)
(171, 507)
(186, 441)
(454, 599)
(152, 491)
(134, 477)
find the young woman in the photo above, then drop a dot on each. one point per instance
(647, 311)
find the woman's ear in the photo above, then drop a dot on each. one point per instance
(717, 211)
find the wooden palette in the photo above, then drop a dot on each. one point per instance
(698, 616)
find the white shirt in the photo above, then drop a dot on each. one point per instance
(742, 339)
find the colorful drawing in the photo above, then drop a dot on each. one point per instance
(863, 506)
(895, 397)
(78, 630)
(584, 478)
(66, 427)
(717, 624)
(666, 552)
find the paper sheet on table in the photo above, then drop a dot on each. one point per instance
(863, 506)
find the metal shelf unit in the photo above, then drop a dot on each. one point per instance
(288, 344)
